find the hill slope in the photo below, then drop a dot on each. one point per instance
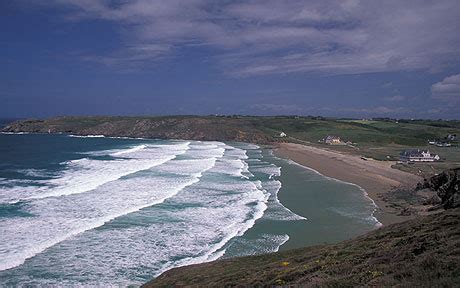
(224, 128)
(170, 127)
(418, 253)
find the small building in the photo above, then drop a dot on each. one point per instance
(439, 143)
(280, 135)
(451, 137)
(332, 140)
(417, 155)
(443, 144)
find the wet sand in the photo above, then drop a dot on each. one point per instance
(376, 177)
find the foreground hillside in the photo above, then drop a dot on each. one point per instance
(419, 253)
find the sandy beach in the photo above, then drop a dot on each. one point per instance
(376, 177)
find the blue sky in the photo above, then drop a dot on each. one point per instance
(331, 58)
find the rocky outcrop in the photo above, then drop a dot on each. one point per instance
(172, 127)
(447, 186)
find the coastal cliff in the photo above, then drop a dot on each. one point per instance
(171, 127)
(418, 253)
(447, 187)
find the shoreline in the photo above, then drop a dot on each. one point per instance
(366, 195)
(376, 178)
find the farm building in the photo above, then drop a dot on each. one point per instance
(332, 140)
(451, 137)
(418, 155)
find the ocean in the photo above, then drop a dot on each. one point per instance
(99, 211)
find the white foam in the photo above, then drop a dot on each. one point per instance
(86, 136)
(38, 173)
(187, 166)
(236, 153)
(115, 152)
(14, 133)
(229, 218)
(365, 194)
(196, 223)
(131, 150)
(265, 243)
(206, 145)
(212, 212)
(234, 163)
(58, 219)
(217, 151)
(204, 212)
(233, 167)
(277, 210)
(249, 146)
(269, 169)
(126, 137)
(82, 175)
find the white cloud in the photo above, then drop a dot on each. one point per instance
(271, 36)
(448, 89)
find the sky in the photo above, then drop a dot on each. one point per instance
(346, 58)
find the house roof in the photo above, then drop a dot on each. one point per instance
(413, 153)
(329, 137)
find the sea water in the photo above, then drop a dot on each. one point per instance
(97, 211)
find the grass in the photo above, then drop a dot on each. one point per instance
(424, 252)
(381, 140)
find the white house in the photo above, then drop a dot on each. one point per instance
(451, 137)
(418, 155)
(332, 140)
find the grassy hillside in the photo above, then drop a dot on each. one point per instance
(420, 253)
(381, 140)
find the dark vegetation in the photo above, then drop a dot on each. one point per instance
(438, 191)
(447, 187)
(424, 252)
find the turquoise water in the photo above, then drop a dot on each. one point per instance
(109, 211)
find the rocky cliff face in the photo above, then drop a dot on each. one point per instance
(178, 127)
(447, 186)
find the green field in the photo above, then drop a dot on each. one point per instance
(378, 139)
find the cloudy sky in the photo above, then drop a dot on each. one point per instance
(333, 58)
